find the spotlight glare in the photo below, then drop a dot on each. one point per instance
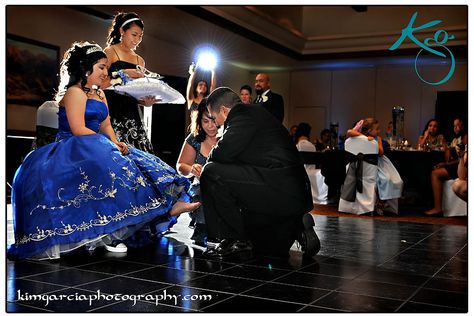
(207, 61)
(206, 57)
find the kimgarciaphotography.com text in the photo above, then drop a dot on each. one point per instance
(157, 298)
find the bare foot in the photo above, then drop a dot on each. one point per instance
(183, 207)
(433, 211)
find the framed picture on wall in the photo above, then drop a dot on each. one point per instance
(31, 70)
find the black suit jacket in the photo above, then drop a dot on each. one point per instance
(274, 105)
(253, 138)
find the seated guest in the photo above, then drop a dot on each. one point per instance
(445, 171)
(459, 131)
(389, 182)
(319, 189)
(302, 135)
(431, 139)
(460, 185)
(389, 131)
(255, 191)
(324, 142)
(246, 94)
(193, 157)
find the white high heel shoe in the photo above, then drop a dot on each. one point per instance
(120, 247)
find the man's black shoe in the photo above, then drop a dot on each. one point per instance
(308, 239)
(228, 247)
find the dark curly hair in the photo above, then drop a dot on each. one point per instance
(428, 124)
(195, 85)
(119, 19)
(303, 129)
(246, 87)
(76, 64)
(196, 121)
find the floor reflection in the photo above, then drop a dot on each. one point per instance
(363, 266)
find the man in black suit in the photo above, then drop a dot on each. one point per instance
(254, 186)
(272, 102)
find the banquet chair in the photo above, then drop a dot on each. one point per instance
(47, 114)
(319, 188)
(46, 123)
(452, 204)
(359, 148)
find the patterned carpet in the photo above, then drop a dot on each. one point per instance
(404, 216)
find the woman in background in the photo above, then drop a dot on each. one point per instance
(125, 35)
(246, 94)
(431, 138)
(324, 141)
(196, 91)
(193, 157)
(448, 169)
(302, 135)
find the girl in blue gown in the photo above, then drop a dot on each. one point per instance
(87, 188)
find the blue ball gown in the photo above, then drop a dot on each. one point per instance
(80, 190)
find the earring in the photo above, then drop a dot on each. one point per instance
(87, 74)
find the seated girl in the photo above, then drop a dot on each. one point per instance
(87, 188)
(389, 182)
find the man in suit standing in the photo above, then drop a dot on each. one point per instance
(272, 102)
(254, 186)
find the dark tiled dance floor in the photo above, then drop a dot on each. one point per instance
(363, 266)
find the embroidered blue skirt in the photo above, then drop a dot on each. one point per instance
(82, 190)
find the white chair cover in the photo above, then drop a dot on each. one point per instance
(365, 201)
(389, 184)
(47, 114)
(452, 205)
(319, 189)
(360, 144)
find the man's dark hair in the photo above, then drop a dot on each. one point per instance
(222, 96)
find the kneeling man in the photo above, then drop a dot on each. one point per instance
(255, 192)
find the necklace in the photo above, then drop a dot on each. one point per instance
(93, 89)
